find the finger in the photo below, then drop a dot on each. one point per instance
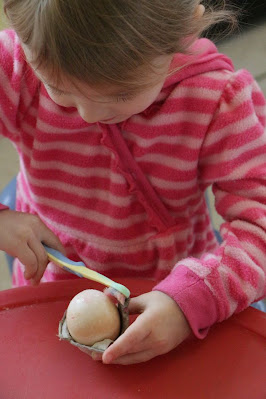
(109, 293)
(128, 342)
(136, 305)
(27, 257)
(140, 346)
(42, 259)
(96, 356)
(51, 240)
(134, 358)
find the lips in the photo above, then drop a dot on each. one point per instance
(107, 120)
(114, 119)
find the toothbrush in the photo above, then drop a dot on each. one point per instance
(81, 270)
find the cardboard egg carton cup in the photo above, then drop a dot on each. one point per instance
(98, 347)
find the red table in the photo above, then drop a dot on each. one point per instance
(34, 364)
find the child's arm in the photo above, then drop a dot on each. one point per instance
(21, 236)
(18, 86)
(212, 288)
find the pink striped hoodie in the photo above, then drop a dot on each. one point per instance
(128, 199)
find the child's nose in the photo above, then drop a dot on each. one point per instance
(91, 113)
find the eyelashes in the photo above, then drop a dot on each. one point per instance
(123, 98)
(55, 91)
(120, 98)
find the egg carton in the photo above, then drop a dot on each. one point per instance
(98, 347)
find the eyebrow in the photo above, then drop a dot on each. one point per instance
(109, 95)
(48, 84)
(130, 92)
(55, 88)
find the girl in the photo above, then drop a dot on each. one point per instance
(122, 118)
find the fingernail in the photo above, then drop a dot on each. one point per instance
(96, 356)
(26, 276)
(108, 359)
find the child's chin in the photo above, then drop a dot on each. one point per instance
(115, 120)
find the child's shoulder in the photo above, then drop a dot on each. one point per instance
(202, 59)
(11, 53)
(204, 71)
(9, 41)
(13, 65)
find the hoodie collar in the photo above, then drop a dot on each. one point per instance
(203, 57)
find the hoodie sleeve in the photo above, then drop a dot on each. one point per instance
(233, 160)
(18, 85)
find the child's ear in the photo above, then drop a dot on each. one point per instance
(200, 10)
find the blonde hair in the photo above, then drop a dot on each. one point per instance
(103, 42)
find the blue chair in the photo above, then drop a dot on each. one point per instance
(8, 198)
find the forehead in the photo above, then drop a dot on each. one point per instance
(72, 86)
(60, 81)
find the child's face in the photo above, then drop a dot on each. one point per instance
(105, 105)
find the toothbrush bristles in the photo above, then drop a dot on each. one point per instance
(112, 293)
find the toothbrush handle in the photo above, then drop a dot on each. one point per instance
(81, 270)
(100, 278)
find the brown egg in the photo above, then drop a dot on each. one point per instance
(92, 317)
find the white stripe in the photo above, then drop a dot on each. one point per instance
(8, 125)
(174, 118)
(97, 172)
(260, 110)
(243, 206)
(199, 93)
(232, 129)
(256, 253)
(131, 246)
(90, 215)
(183, 201)
(50, 129)
(221, 75)
(242, 170)
(197, 267)
(249, 228)
(86, 193)
(229, 155)
(75, 148)
(26, 151)
(64, 167)
(251, 292)
(251, 193)
(12, 97)
(241, 96)
(168, 184)
(168, 161)
(185, 139)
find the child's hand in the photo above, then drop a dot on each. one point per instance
(21, 236)
(160, 327)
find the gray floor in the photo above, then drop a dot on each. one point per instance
(247, 50)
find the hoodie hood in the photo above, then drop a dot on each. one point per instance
(203, 57)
